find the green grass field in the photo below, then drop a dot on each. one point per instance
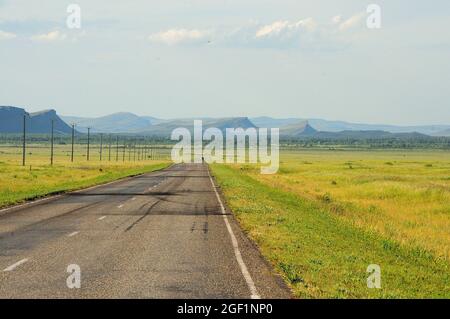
(327, 215)
(20, 183)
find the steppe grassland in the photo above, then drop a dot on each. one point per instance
(404, 195)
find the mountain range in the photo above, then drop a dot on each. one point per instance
(11, 119)
(339, 126)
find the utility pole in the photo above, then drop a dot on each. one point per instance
(117, 149)
(109, 149)
(51, 148)
(101, 146)
(139, 151)
(24, 139)
(73, 138)
(88, 144)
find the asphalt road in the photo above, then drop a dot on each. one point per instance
(160, 235)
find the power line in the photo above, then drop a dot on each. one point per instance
(73, 140)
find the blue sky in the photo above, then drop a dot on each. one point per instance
(197, 58)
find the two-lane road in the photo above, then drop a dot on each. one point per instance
(160, 235)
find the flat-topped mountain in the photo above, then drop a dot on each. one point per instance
(11, 121)
(299, 128)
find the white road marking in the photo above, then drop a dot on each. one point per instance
(120, 206)
(237, 252)
(134, 198)
(73, 234)
(154, 186)
(14, 266)
(102, 218)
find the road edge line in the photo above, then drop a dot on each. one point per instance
(15, 265)
(248, 278)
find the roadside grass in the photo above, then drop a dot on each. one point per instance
(402, 195)
(19, 184)
(322, 255)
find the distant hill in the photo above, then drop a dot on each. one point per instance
(114, 123)
(339, 126)
(11, 121)
(165, 129)
(300, 128)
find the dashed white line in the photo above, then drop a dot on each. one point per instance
(237, 252)
(120, 206)
(73, 234)
(14, 266)
(102, 218)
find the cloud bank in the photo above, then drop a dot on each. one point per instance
(304, 33)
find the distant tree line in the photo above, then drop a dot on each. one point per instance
(388, 143)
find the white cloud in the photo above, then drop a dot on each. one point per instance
(286, 28)
(180, 36)
(6, 35)
(274, 28)
(49, 37)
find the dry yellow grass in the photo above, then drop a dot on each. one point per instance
(38, 178)
(402, 195)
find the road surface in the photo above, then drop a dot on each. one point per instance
(164, 234)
